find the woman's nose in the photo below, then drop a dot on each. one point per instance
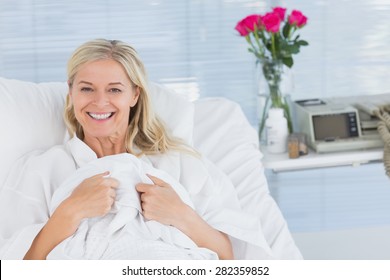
(101, 99)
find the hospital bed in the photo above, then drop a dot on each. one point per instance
(31, 115)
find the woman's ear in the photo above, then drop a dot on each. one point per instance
(135, 97)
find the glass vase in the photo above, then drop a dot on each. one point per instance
(274, 88)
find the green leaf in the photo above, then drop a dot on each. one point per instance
(291, 49)
(286, 30)
(295, 49)
(288, 61)
(303, 43)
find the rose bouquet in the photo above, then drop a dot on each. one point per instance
(273, 40)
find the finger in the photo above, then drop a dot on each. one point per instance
(143, 187)
(157, 181)
(145, 212)
(112, 193)
(112, 182)
(109, 182)
(104, 174)
(112, 202)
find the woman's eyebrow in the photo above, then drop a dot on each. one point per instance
(111, 84)
(116, 83)
(85, 82)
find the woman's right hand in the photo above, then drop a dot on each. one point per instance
(93, 197)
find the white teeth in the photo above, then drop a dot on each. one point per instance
(100, 116)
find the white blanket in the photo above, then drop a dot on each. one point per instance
(124, 233)
(29, 191)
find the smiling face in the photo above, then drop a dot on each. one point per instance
(102, 96)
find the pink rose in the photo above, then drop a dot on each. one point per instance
(297, 18)
(247, 25)
(280, 12)
(271, 22)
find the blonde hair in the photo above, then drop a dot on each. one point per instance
(145, 131)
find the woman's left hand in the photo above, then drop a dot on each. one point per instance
(160, 202)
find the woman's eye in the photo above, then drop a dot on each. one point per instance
(115, 90)
(86, 89)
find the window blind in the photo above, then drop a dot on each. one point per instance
(192, 47)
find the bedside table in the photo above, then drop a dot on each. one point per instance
(281, 162)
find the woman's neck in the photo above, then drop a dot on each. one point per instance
(106, 146)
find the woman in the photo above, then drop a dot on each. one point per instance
(107, 113)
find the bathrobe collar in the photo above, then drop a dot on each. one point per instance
(81, 152)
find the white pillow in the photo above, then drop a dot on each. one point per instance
(32, 117)
(176, 111)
